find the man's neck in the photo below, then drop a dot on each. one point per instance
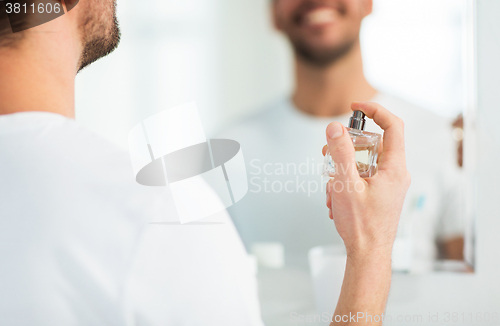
(32, 79)
(330, 90)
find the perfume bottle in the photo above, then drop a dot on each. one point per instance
(366, 146)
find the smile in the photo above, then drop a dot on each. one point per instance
(320, 16)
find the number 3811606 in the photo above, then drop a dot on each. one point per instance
(41, 8)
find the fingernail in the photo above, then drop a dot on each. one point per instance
(334, 130)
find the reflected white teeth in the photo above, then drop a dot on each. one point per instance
(320, 16)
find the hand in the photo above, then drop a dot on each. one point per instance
(366, 211)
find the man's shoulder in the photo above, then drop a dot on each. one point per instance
(256, 122)
(62, 159)
(410, 112)
(425, 132)
(53, 134)
(63, 142)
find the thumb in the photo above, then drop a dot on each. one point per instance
(342, 151)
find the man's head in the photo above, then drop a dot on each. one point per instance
(321, 31)
(93, 21)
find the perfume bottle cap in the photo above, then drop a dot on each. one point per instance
(357, 120)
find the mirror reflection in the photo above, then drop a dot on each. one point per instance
(411, 58)
(272, 74)
(399, 54)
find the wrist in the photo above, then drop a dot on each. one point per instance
(376, 254)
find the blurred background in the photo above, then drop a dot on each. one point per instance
(226, 56)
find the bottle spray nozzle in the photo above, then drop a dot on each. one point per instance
(357, 120)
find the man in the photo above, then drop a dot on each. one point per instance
(283, 204)
(75, 245)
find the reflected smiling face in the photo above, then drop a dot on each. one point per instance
(321, 31)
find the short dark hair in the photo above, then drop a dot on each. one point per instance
(12, 25)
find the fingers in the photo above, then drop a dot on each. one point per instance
(329, 186)
(393, 127)
(325, 148)
(342, 151)
(329, 194)
(380, 148)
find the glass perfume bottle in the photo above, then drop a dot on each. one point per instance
(366, 145)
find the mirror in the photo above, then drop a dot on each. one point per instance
(419, 57)
(227, 56)
(423, 53)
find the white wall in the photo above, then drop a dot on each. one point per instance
(167, 57)
(413, 49)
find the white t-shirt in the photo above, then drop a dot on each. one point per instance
(76, 247)
(286, 199)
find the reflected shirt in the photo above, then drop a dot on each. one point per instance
(286, 199)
